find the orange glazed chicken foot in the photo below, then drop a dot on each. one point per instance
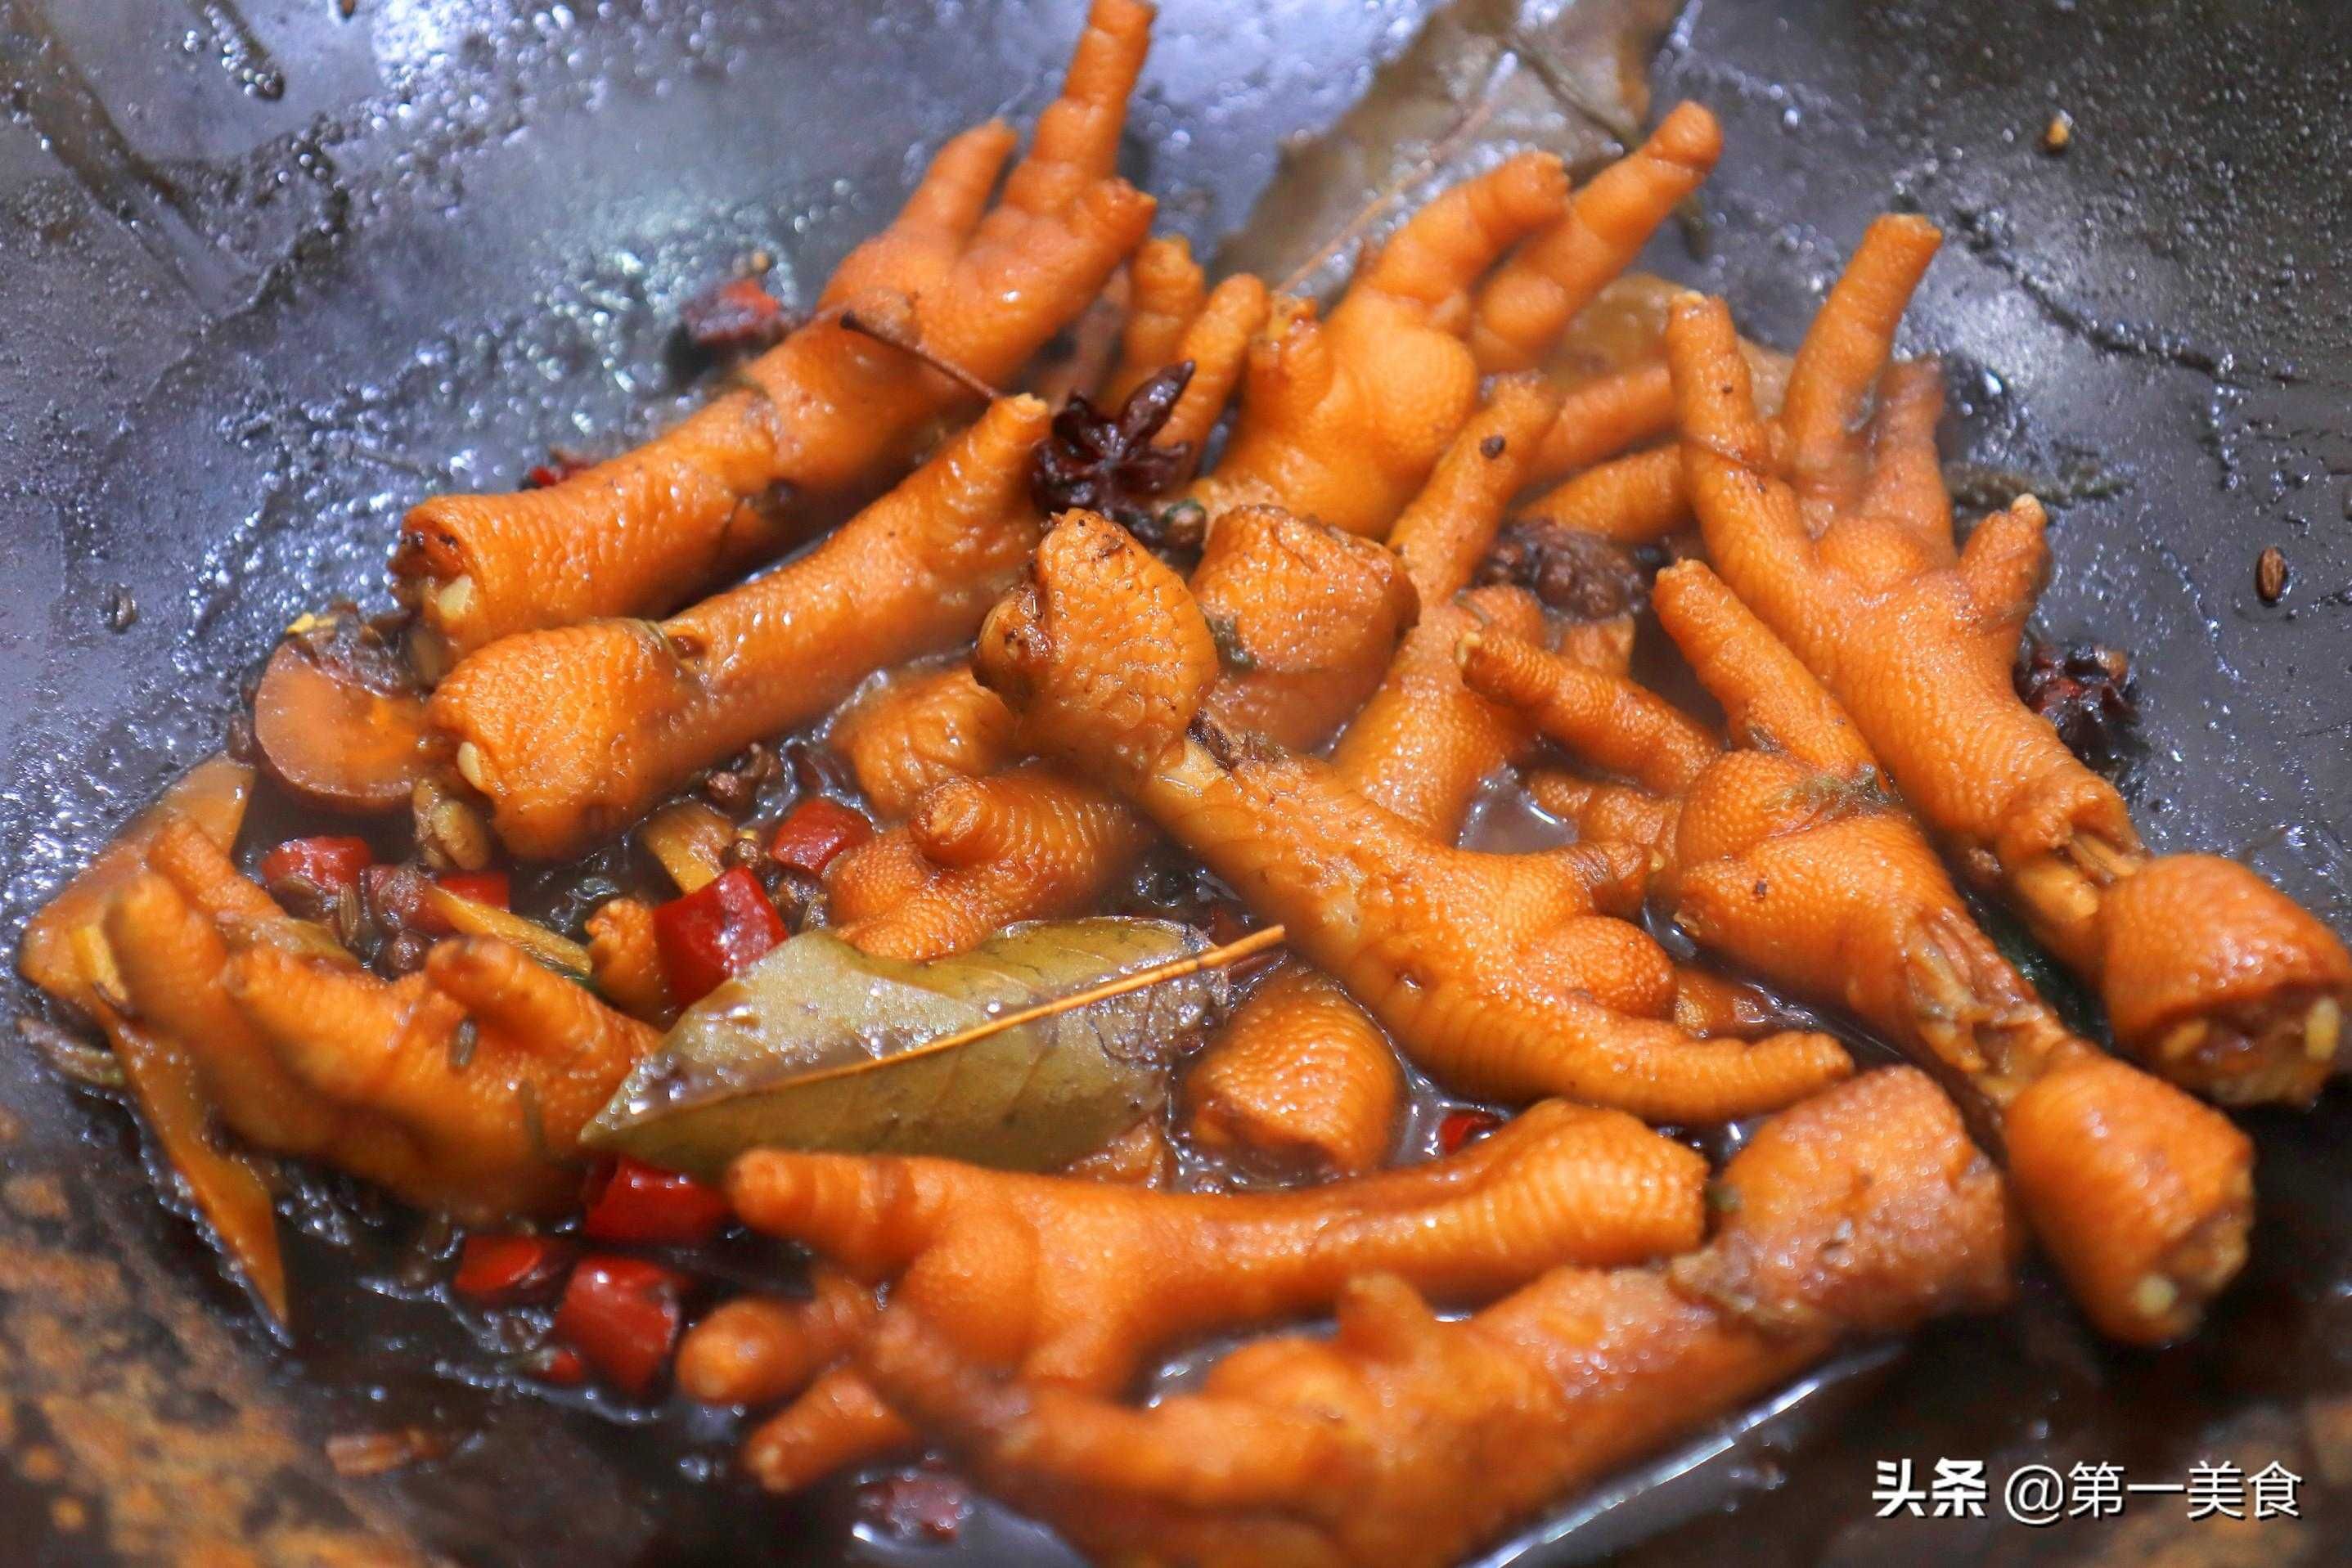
(1307, 614)
(1790, 860)
(1075, 1282)
(1408, 1442)
(572, 733)
(2211, 976)
(827, 411)
(1498, 973)
(1341, 419)
(463, 1088)
(1300, 1076)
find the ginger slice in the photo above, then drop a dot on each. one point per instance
(573, 732)
(2211, 977)
(1405, 1440)
(1787, 860)
(1501, 974)
(1075, 1283)
(829, 409)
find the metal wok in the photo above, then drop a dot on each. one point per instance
(273, 272)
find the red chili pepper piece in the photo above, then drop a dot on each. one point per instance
(505, 1268)
(328, 862)
(817, 829)
(734, 315)
(629, 1201)
(495, 887)
(1461, 1127)
(557, 1364)
(719, 929)
(561, 465)
(623, 1314)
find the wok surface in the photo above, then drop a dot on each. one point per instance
(271, 274)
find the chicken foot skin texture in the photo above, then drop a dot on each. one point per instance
(924, 728)
(1171, 321)
(979, 854)
(920, 729)
(2211, 977)
(462, 1089)
(1305, 610)
(1341, 419)
(1300, 1075)
(1074, 1283)
(573, 732)
(1317, 392)
(828, 410)
(1408, 1442)
(1522, 310)
(1789, 861)
(1498, 973)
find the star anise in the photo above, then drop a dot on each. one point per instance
(2085, 691)
(1574, 572)
(1107, 462)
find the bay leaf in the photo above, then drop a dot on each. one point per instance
(1571, 78)
(820, 1046)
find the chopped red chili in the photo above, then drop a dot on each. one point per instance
(561, 465)
(735, 315)
(504, 1268)
(557, 1364)
(719, 929)
(1461, 1127)
(817, 829)
(623, 1314)
(328, 862)
(494, 887)
(629, 1201)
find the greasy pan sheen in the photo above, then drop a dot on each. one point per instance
(2211, 976)
(1787, 859)
(827, 411)
(1500, 974)
(1075, 1284)
(1408, 1442)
